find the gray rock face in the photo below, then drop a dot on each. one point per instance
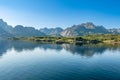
(84, 29)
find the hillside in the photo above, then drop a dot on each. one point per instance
(84, 29)
(18, 31)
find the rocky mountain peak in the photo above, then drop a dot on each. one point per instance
(88, 25)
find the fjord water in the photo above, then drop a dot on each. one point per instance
(33, 61)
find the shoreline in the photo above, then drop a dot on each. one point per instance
(70, 40)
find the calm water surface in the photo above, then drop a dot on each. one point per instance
(31, 61)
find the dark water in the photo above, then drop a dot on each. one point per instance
(31, 61)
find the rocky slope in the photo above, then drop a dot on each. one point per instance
(76, 30)
(19, 30)
(84, 29)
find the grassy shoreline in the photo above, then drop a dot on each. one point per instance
(102, 38)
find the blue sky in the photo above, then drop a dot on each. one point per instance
(60, 13)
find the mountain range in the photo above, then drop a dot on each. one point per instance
(52, 31)
(19, 31)
(75, 30)
(84, 29)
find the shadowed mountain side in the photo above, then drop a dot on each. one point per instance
(21, 31)
(52, 31)
(18, 31)
(5, 29)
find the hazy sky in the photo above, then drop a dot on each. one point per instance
(60, 13)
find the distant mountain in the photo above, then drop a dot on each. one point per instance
(76, 30)
(5, 29)
(114, 31)
(52, 31)
(19, 31)
(5, 26)
(84, 29)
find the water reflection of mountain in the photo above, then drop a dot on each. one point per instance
(4, 45)
(90, 49)
(22, 45)
(83, 50)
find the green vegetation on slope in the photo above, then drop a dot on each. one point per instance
(106, 38)
(101, 38)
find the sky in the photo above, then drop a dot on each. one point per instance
(60, 13)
